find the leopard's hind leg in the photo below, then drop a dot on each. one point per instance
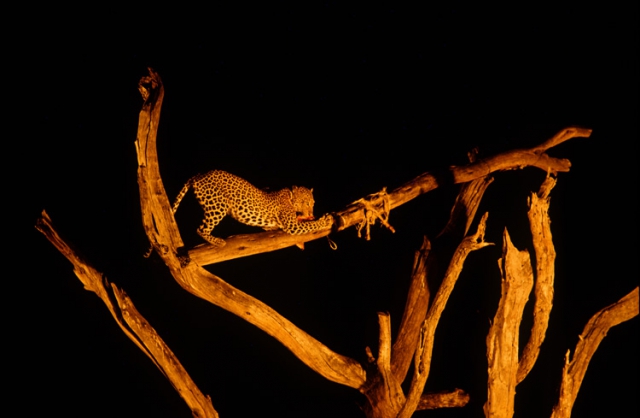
(215, 209)
(204, 231)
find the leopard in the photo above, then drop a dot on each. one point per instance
(221, 193)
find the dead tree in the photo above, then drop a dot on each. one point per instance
(388, 367)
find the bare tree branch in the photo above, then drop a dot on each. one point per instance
(389, 397)
(245, 245)
(502, 340)
(510, 160)
(466, 205)
(382, 385)
(545, 254)
(414, 313)
(198, 281)
(133, 324)
(593, 333)
(238, 246)
(422, 362)
(454, 399)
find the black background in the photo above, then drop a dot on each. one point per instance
(346, 100)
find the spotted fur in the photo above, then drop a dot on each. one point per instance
(221, 193)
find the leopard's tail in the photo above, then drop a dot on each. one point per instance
(174, 208)
(180, 196)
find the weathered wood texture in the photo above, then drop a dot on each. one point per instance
(545, 255)
(354, 214)
(502, 340)
(163, 232)
(381, 382)
(593, 333)
(132, 323)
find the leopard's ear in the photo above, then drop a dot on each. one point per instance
(311, 190)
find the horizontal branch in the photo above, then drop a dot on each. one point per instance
(510, 160)
(454, 399)
(238, 246)
(245, 245)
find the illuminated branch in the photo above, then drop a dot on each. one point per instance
(382, 382)
(164, 234)
(422, 361)
(414, 313)
(383, 388)
(545, 254)
(245, 245)
(132, 323)
(593, 333)
(502, 340)
(510, 160)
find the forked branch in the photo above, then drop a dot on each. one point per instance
(354, 214)
(422, 359)
(163, 232)
(510, 160)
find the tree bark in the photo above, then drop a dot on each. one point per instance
(132, 323)
(355, 213)
(163, 232)
(545, 255)
(381, 382)
(502, 340)
(593, 333)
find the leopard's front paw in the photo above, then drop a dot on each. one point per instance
(326, 220)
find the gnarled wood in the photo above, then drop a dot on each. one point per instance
(593, 333)
(454, 399)
(382, 382)
(238, 246)
(415, 311)
(382, 389)
(545, 255)
(198, 281)
(243, 245)
(502, 340)
(422, 362)
(132, 323)
(510, 160)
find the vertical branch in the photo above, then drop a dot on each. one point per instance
(396, 397)
(593, 333)
(414, 314)
(164, 235)
(465, 207)
(382, 389)
(545, 254)
(425, 344)
(155, 208)
(502, 340)
(460, 219)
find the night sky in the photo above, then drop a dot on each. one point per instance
(345, 100)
